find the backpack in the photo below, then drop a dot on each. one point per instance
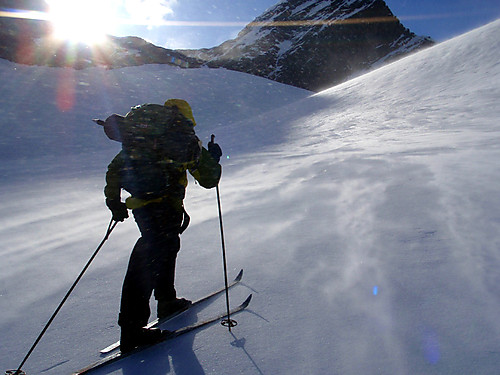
(154, 128)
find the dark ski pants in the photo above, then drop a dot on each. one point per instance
(152, 263)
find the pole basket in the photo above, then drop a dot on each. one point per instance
(15, 372)
(229, 323)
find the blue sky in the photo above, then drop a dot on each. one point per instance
(440, 19)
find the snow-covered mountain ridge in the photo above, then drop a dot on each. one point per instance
(304, 43)
(316, 44)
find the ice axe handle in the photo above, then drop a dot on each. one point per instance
(98, 122)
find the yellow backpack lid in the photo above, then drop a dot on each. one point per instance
(183, 106)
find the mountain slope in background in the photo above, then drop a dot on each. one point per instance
(316, 44)
(71, 98)
(366, 218)
(305, 43)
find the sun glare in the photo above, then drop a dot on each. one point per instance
(82, 21)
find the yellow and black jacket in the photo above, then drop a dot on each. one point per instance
(149, 178)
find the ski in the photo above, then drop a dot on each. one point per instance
(178, 332)
(156, 322)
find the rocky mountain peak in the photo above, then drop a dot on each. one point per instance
(316, 44)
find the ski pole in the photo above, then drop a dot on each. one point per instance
(228, 322)
(111, 226)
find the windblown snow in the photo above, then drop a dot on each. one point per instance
(366, 217)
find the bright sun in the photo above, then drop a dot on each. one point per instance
(83, 21)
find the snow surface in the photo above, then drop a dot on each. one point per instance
(366, 217)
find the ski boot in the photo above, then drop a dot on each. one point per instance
(169, 308)
(132, 338)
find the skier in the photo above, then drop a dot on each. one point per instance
(147, 168)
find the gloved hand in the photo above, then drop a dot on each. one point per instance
(118, 209)
(214, 149)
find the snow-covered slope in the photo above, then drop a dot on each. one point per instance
(46, 112)
(366, 218)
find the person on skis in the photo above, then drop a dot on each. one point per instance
(152, 167)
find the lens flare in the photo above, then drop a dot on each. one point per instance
(79, 21)
(430, 343)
